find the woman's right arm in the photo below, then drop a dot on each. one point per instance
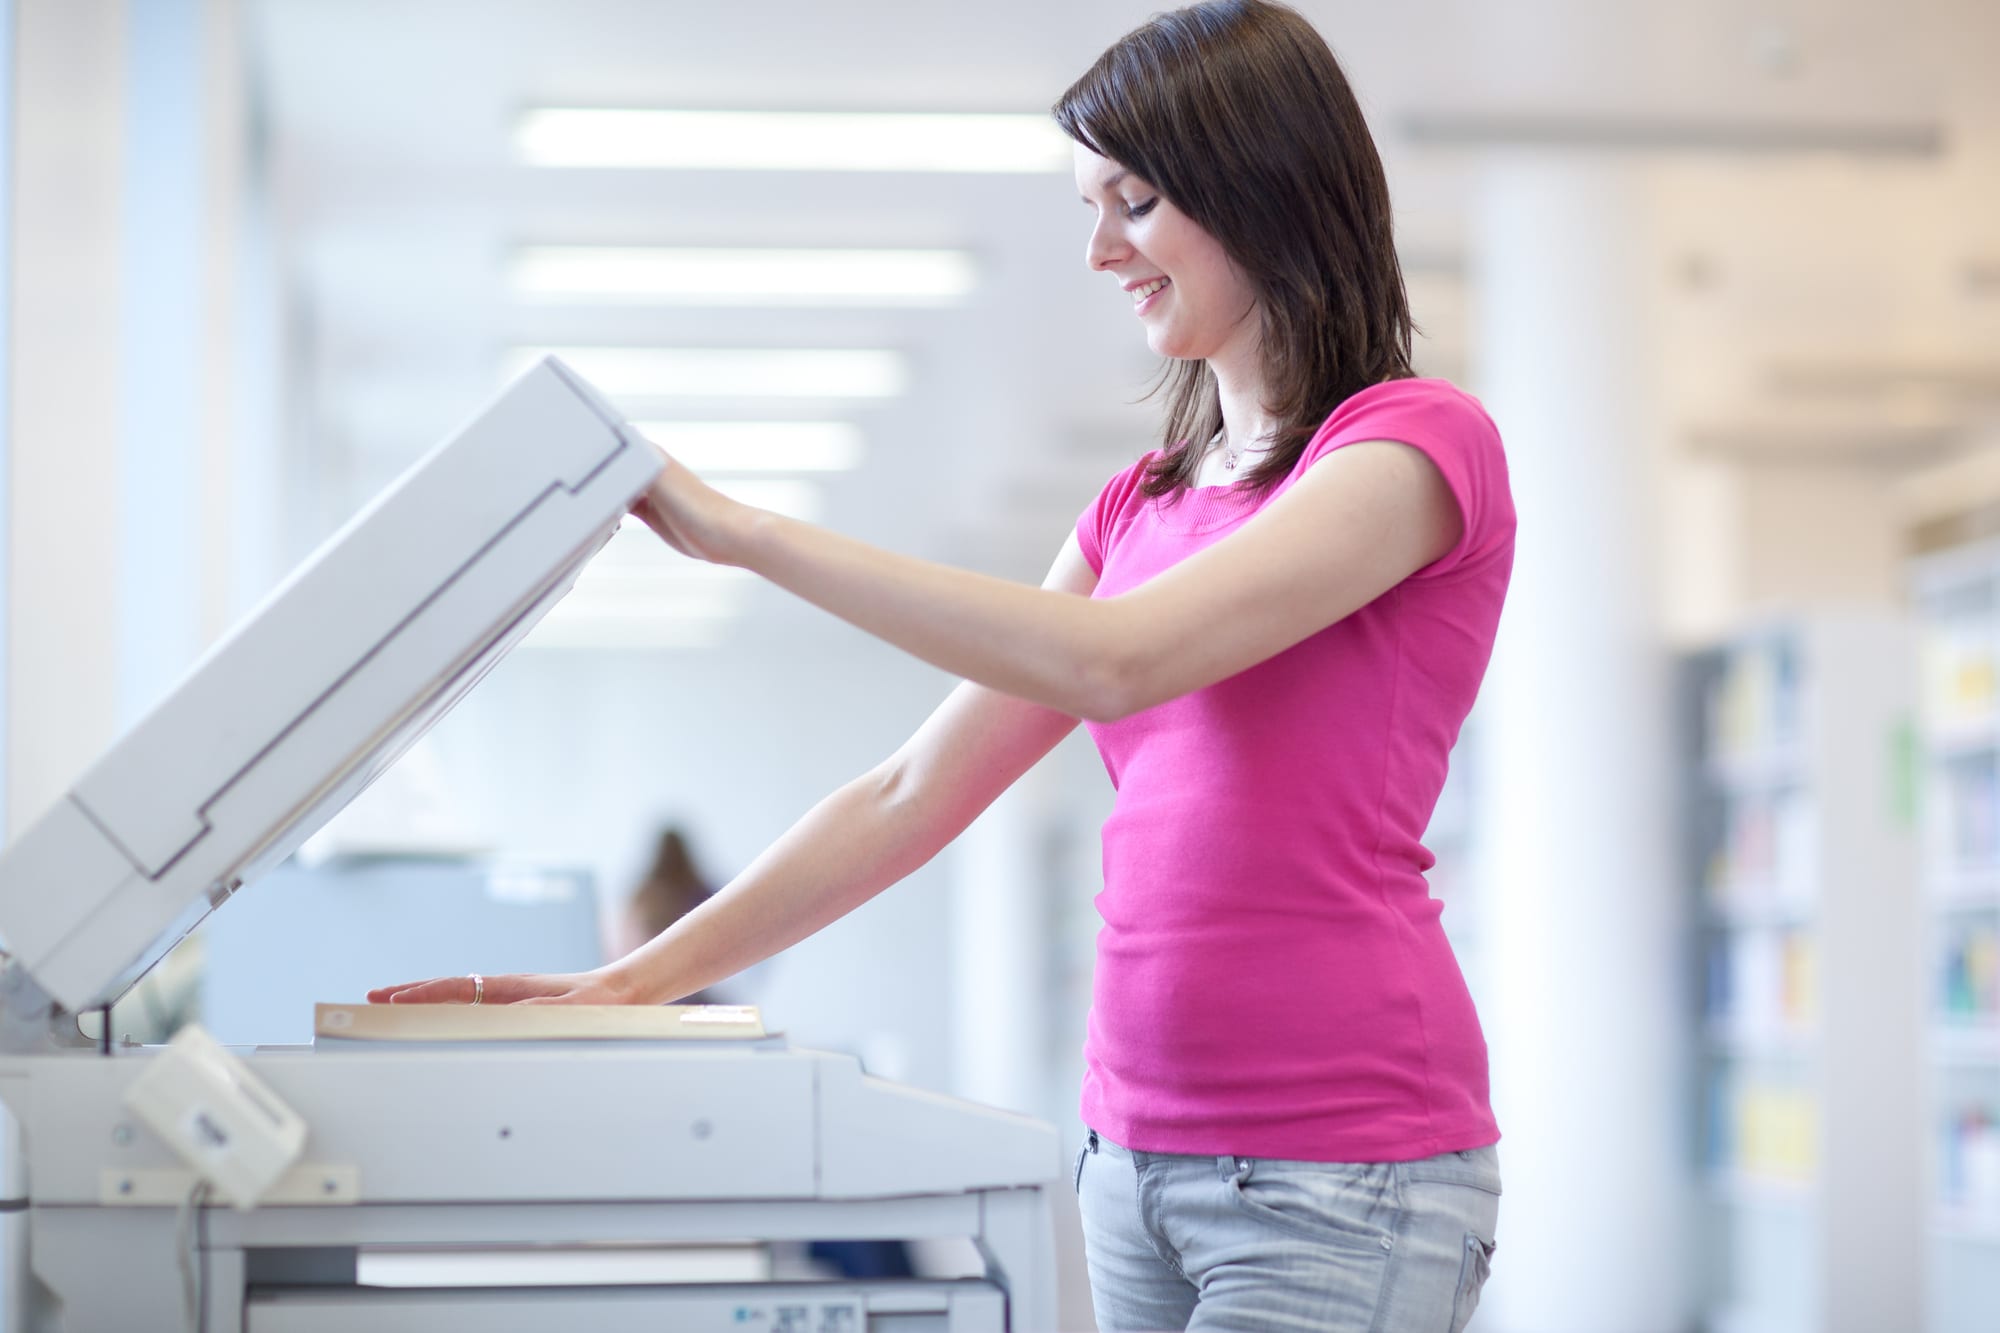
(866, 836)
(863, 838)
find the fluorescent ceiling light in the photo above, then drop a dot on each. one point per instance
(686, 372)
(639, 274)
(624, 610)
(617, 607)
(758, 446)
(636, 593)
(791, 140)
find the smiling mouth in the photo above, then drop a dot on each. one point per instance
(1139, 294)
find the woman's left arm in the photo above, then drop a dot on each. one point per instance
(1361, 520)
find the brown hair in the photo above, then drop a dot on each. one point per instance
(673, 887)
(1238, 113)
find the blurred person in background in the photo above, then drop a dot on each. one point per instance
(673, 887)
(1274, 625)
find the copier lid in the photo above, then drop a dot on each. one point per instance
(322, 687)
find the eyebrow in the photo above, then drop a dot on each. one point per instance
(1110, 182)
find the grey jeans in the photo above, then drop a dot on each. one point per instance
(1184, 1242)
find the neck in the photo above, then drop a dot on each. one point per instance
(1246, 425)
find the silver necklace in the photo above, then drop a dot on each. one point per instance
(1232, 454)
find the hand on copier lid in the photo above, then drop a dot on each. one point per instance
(516, 988)
(689, 515)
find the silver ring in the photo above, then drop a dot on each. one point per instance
(478, 987)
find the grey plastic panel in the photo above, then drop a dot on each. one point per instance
(342, 668)
(921, 1307)
(540, 1122)
(880, 1139)
(414, 540)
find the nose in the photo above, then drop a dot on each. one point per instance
(1105, 247)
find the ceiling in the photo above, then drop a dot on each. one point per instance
(1812, 302)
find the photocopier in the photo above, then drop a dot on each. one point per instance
(432, 1148)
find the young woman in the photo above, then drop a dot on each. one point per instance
(1273, 625)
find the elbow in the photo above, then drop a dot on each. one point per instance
(891, 789)
(1107, 689)
(1112, 670)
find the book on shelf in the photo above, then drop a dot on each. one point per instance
(1767, 860)
(1762, 985)
(1763, 1128)
(1969, 973)
(1753, 712)
(1969, 1164)
(1960, 677)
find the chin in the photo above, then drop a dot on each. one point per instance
(1163, 342)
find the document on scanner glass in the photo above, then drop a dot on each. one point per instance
(536, 1022)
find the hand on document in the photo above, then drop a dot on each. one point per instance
(517, 988)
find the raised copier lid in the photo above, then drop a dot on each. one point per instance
(321, 688)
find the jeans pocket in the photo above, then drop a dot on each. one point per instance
(1320, 1202)
(1472, 1271)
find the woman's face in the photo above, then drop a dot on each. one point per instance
(1193, 299)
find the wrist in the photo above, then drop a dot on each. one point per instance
(738, 534)
(625, 982)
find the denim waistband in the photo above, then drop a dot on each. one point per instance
(1478, 1167)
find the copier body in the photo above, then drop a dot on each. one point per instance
(507, 1148)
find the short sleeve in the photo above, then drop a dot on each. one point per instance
(1451, 429)
(1101, 520)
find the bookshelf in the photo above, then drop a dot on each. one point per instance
(1807, 1058)
(1958, 601)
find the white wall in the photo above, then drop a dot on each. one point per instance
(6, 211)
(1819, 535)
(128, 156)
(69, 97)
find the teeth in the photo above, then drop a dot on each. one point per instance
(1141, 293)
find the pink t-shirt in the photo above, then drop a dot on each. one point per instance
(1272, 979)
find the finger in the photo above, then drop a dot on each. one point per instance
(569, 996)
(646, 512)
(443, 990)
(381, 994)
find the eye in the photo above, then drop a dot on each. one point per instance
(1140, 210)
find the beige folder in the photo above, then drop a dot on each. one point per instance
(537, 1022)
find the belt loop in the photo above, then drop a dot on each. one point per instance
(1093, 1140)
